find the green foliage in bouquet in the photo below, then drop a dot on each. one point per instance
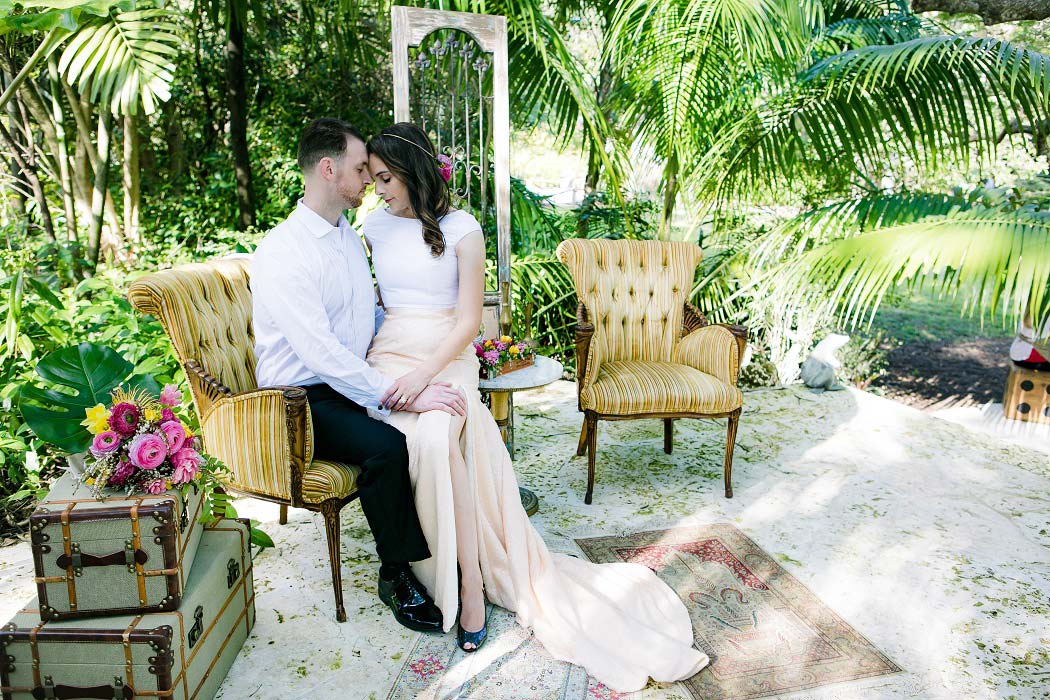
(91, 372)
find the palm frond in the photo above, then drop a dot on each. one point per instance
(998, 258)
(937, 98)
(124, 60)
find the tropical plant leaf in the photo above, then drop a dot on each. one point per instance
(998, 257)
(90, 372)
(936, 98)
(124, 60)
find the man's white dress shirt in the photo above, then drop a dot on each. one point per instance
(314, 308)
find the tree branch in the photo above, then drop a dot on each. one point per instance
(990, 11)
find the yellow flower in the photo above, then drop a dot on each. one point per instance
(89, 482)
(152, 414)
(513, 350)
(97, 419)
(167, 483)
(488, 343)
(506, 339)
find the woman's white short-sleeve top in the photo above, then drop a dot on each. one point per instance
(407, 273)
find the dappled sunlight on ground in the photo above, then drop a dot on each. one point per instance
(929, 539)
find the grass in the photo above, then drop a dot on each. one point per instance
(923, 317)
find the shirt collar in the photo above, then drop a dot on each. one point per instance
(315, 223)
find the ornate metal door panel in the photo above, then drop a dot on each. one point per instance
(450, 78)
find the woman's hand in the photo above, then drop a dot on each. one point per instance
(405, 389)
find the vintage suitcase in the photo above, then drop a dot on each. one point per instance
(116, 556)
(182, 655)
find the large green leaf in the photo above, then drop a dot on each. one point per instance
(90, 372)
(124, 60)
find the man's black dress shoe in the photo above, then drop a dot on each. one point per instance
(412, 605)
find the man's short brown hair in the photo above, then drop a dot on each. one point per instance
(324, 138)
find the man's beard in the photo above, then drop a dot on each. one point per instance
(351, 197)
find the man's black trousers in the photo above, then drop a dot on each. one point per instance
(343, 432)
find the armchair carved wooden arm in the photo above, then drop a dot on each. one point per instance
(263, 435)
(642, 351)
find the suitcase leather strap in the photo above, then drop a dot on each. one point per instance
(136, 540)
(116, 690)
(67, 543)
(78, 560)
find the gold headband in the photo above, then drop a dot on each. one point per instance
(395, 136)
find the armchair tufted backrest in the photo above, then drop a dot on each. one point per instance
(634, 292)
(206, 309)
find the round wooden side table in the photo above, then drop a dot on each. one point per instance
(500, 391)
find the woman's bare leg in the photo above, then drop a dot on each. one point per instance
(472, 598)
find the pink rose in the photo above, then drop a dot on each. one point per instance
(148, 450)
(170, 395)
(175, 435)
(167, 414)
(121, 473)
(155, 487)
(187, 463)
(105, 443)
(124, 418)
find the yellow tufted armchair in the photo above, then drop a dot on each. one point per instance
(264, 435)
(642, 351)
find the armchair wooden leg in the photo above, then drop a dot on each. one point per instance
(734, 419)
(330, 510)
(582, 447)
(591, 429)
(283, 518)
(668, 435)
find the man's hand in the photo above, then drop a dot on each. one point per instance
(439, 396)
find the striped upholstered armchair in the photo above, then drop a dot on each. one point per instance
(642, 351)
(263, 435)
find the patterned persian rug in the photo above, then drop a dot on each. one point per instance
(765, 633)
(511, 666)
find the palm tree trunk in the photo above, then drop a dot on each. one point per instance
(98, 197)
(63, 150)
(131, 179)
(237, 98)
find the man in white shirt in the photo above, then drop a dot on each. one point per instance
(314, 315)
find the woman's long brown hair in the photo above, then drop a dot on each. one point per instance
(409, 154)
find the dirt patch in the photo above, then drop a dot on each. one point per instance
(932, 374)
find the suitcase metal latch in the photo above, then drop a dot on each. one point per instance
(49, 688)
(76, 560)
(118, 688)
(129, 554)
(184, 519)
(233, 572)
(198, 626)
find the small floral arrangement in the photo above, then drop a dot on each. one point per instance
(494, 353)
(140, 445)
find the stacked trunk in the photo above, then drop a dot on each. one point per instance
(136, 600)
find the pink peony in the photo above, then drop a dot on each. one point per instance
(187, 463)
(121, 473)
(175, 435)
(167, 414)
(105, 443)
(147, 451)
(124, 418)
(170, 395)
(155, 487)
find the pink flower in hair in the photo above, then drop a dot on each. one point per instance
(445, 167)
